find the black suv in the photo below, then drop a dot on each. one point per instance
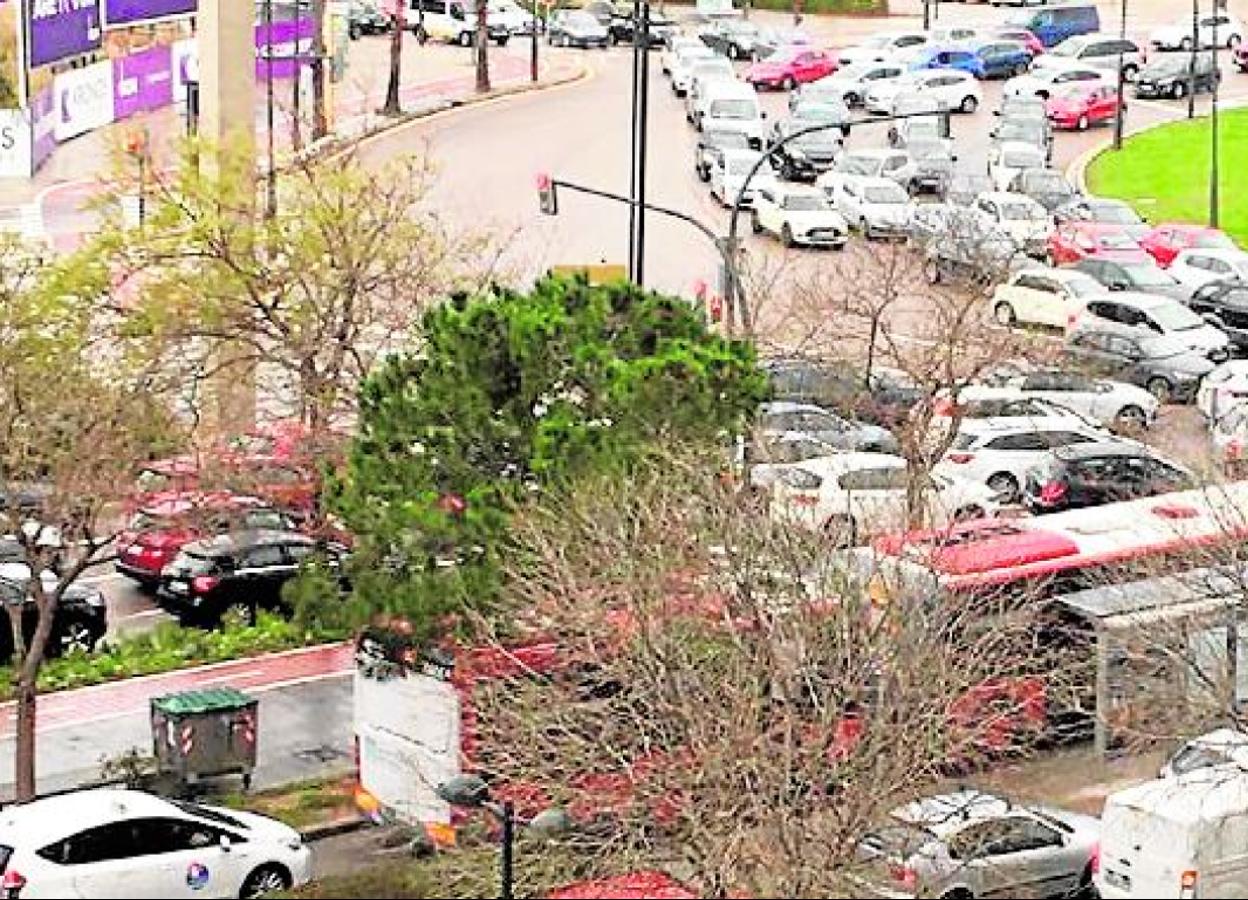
(1225, 305)
(1171, 75)
(1099, 472)
(81, 617)
(234, 575)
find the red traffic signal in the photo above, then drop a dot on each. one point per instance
(547, 200)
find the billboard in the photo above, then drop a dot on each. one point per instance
(142, 81)
(122, 13)
(60, 29)
(83, 100)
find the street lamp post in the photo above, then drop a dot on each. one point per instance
(533, 45)
(1122, 80)
(270, 205)
(1191, 63)
(1214, 200)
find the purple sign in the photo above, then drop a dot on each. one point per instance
(287, 41)
(133, 12)
(43, 124)
(142, 81)
(60, 29)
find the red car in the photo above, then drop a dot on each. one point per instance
(1028, 39)
(790, 67)
(1166, 240)
(1082, 104)
(1073, 241)
(173, 519)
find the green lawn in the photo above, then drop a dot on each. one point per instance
(1164, 173)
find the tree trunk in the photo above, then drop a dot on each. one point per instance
(320, 117)
(28, 660)
(483, 42)
(391, 106)
(24, 757)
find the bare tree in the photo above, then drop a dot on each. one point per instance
(398, 24)
(482, 44)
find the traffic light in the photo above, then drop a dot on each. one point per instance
(546, 197)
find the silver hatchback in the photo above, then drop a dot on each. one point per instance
(974, 844)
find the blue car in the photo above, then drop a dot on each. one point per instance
(946, 57)
(1000, 59)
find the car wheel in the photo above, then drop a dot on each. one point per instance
(421, 35)
(789, 83)
(1004, 485)
(265, 880)
(1082, 123)
(1020, 69)
(354, 32)
(1130, 71)
(1159, 388)
(1131, 418)
(238, 614)
(465, 39)
(755, 224)
(1004, 314)
(76, 636)
(969, 104)
(852, 99)
(864, 229)
(1186, 45)
(704, 174)
(894, 137)
(786, 235)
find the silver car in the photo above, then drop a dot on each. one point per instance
(973, 844)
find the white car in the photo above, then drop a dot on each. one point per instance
(667, 59)
(1229, 32)
(1223, 389)
(798, 214)
(877, 207)
(1006, 160)
(1113, 404)
(110, 842)
(1196, 266)
(1229, 435)
(703, 76)
(1039, 295)
(854, 494)
(998, 452)
(851, 83)
(1041, 82)
(881, 47)
(682, 66)
(1096, 49)
(729, 174)
(949, 88)
(868, 162)
(1025, 221)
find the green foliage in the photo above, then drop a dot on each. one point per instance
(167, 648)
(815, 7)
(513, 395)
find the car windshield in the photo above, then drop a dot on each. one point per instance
(1067, 48)
(726, 139)
(1214, 240)
(806, 203)
(880, 40)
(1031, 130)
(1021, 212)
(1048, 182)
(1022, 159)
(734, 109)
(858, 165)
(818, 113)
(970, 184)
(1084, 287)
(1149, 275)
(741, 165)
(885, 193)
(1164, 64)
(581, 20)
(1175, 317)
(1163, 346)
(1116, 240)
(1117, 213)
(923, 127)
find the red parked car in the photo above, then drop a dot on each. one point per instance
(173, 519)
(1080, 105)
(1166, 240)
(1073, 241)
(790, 67)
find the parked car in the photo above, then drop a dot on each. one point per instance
(804, 158)
(1000, 58)
(933, 166)
(1024, 220)
(978, 259)
(1165, 241)
(798, 216)
(1174, 75)
(1043, 296)
(451, 21)
(102, 842)
(79, 621)
(1022, 106)
(1079, 106)
(1126, 275)
(973, 844)
(706, 78)
(925, 130)
(785, 70)
(364, 17)
(877, 207)
(963, 188)
(1073, 241)
(682, 61)
(729, 174)
(1006, 161)
(1224, 304)
(730, 104)
(1036, 131)
(1053, 25)
(932, 223)
(1159, 315)
(871, 162)
(1043, 82)
(1223, 389)
(576, 28)
(712, 142)
(234, 575)
(999, 452)
(1103, 209)
(805, 418)
(735, 38)
(852, 83)
(1092, 474)
(938, 54)
(880, 47)
(1211, 28)
(1168, 368)
(1096, 49)
(1199, 267)
(1019, 35)
(955, 91)
(1229, 436)
(853, 494)
(884, 398)
(1047, 187)
(681, 44)
(620, 28)
(1112, 404)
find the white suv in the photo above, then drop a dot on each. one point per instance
(1110, 403)
(1042, 296)
(797, 214)
(109, 842)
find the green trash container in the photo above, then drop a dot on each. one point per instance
(199, 734)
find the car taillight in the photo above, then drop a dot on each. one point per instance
(1187, 884)
(1094, 861)
(960, 457)
(905, 876)
(1052, 492)
(806, 499)
(202, 584)
(12, 883)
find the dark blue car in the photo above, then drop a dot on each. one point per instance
(999, 59)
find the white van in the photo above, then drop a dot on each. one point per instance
(1182, 836)
(453, 21)
(733, 106)
(510, 15)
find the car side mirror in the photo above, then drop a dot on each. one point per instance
(1117, 286)
(226, 843)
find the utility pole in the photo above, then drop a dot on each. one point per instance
(927, 14)
(482, 42)
(641, 41)
(1191, 74)
(533, 45)
(270, 193)
(1214, 199)
(632, 153)
(1122, 81)
(320, 118)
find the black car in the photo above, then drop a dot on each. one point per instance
(81, 616)
(1172, 75)
(1225, 305)
(712, 142)
(885, 398)
(1146, 277)
(933, 168)
(235, 575)
(1047, 187)
(1097, 472)
(735, 38)
(620, 29)
(805, 157)
(364, 17)
(1170, 371)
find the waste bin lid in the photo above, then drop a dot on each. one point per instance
(222, 699)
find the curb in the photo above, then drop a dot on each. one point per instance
(333, 828)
